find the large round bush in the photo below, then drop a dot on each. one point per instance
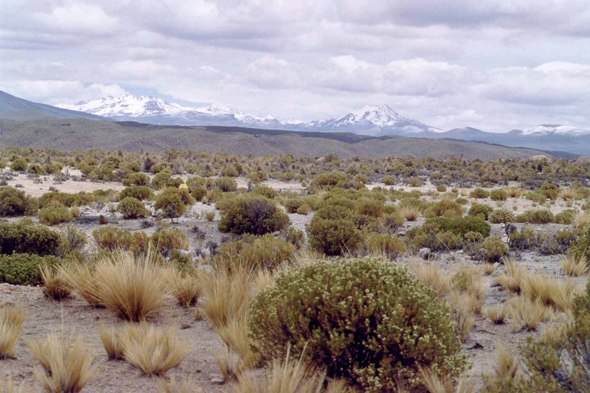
(257, 216)
(15, 202)
(132, 208)
(363, 320)
(333, 237)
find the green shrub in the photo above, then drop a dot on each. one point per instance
(361, 320)
(254, 252)
(266, 192)
(480, 211)
(304, 210)
(28, 239)
(389, 180)
(23, 269)
(160, 180)
(501, 216)
(112, 238)
(165, 241)
(132, 208)
(19, 165)
(370, 207)
(254, 215)
(333, 236)
(538, 216)
(54, 214)
(498, 195)
(291, 205)
(36, 169)
(226, 184)
(566, 217)
(327, 181)
(393, 222)
(16, 203)
(199, 193)
(479, 193)
(136, 179)
(171, 203)
(461, 225)
(138, 192)
(441, 188)
(444, 209)
(493, 249)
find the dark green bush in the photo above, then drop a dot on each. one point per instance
(479, 193)
(112, 238)
(385, 244)
(54, 214)
(199, 193)
(165, 241)
(480, 211)
(138, 192)
(171, 203)
(493, 249)
(327, 181)
(136, 179)
(226, 184)
(132, 208)
(293, 204)
(444, 209)
(370, 207)
(333, 236)
(254, 252)
(501, 216)
(254, 215)
(566, 217)
(16, 203)
(461, 225)
(28, 239)
(23, 269)
(362, 320)
(19, 165)
(539, 216)
(266, 192)
(498, 195)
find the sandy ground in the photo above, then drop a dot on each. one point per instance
(74, 318)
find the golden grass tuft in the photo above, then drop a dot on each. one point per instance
(409, 213)
(153, 350)
(549, 292)
(80, 276)
(227, 295)
(54, 286)
(436, 384)
(506, 364)
(489, 268)
(184, 385)
(574, 266)
(469, 281)
(229, 364)
(185, 287)
(463, 307)
(582, 219)
(526, 313)
(288, 376)
(8, 386)
(66, 366)
(11, 322)
(514, 280)
(497, 314)
(112, 343)
(431, 276)
(264, 279)
(132, 287)
(234, 334)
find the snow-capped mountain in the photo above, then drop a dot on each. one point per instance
(554, 129)
(368, 120)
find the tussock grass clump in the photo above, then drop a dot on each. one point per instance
(497, 314)
(445, 384)
(227, 295)
(185, 287)
(409, 213)
(54, 286)
(8, 386)
(514, 280)
(527, 313)
(132, 287)
(289, 376)
(431, 276)
(549, 292)
(66, 366)
(153, 350)
(574, 265)
(11, 322)
(183, 385)
(582, 219)
(81, 277)
(112, 343)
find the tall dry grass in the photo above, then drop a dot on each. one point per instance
(436, 384)
(151, 349)
(66, 365)
(11, 322)
(182, 385)
(575, 266)
(528, 314)
(185, 287)
(8, 386)
(409, 213)
(54, 285)
(431, 276)
(112, 343)
(81, 277)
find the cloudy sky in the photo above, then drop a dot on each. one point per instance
(495, 64)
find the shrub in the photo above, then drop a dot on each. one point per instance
(112, 238)
(444, 209)
(378, 305)
(55, 214)
(493, 249)
(252, 252)
(171, 204)
(480, 211)
(479, 193)
(29, 239)
(539, 216)
(566, 217)
(293, 204)
(327, 181)
(19, 165)
(266, 192)
(138, 192)
(333, 237)
(501, 216)
(15, 203)
(132, 208)
(461, 225)
(136, 179)
(393, 222)
(226, 184)
(36, 169)
(498, 195)
(23, 269)
(253, 215)
(441, 188)
(304, 210)
(160, 180)
(199, 193)
(389, 180)
(370, 207)
(166, 240)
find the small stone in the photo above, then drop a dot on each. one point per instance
(217, 380)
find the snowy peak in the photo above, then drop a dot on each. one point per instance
(380, 116)
(554, 129)
(126, 105)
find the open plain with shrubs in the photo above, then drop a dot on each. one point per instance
(185, 271)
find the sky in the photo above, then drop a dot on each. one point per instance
(495, 65)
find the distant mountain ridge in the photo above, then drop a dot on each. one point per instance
(15, 108)
(367, 120)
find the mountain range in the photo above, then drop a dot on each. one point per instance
(367, 120)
